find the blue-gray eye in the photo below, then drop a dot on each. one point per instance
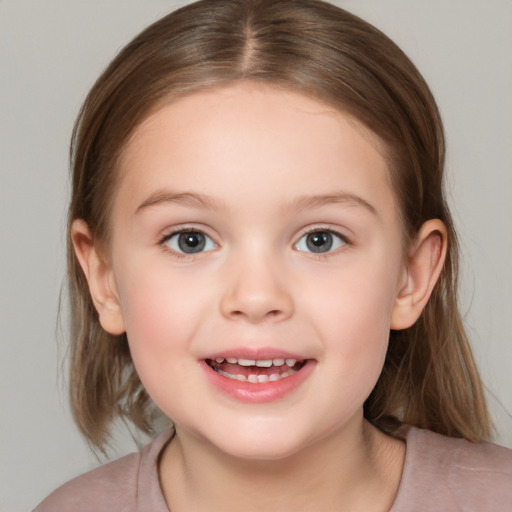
(320, 242)
(190, 242)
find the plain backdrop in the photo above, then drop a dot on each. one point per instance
(50, 54)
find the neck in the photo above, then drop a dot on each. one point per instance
(338, 472)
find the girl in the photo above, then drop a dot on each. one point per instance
(259, 244)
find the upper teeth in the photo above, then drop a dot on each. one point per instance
(263, 363)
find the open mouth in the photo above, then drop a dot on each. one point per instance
(255, 371)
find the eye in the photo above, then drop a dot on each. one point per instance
(320, 241)
(189, 242)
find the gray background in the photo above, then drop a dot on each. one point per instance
(51, 52)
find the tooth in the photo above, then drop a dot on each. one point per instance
(253, 379)
(289, 373)
(264, 363)
(224, 374)
(278, 362)
(291, 362)
(232, 360)
(239, 377)
(263, 378)
(219, 359)
(273, 377)
(246, 362)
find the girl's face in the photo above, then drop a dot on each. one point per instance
(256, 258)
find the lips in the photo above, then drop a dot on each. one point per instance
(257, 377)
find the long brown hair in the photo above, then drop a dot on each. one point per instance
(429, 377)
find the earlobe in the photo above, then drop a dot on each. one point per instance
(421, 272)
(99, 277)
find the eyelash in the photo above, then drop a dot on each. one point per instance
(178, 254)
(323, 229)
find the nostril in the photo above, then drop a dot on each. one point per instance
(254, 315)
(256, 300)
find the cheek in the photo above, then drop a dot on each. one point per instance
(352, 310)
(161, 318)
(356, 339)
(358, 298)
(161, 314)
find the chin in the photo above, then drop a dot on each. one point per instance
(261, 451)
(263, 444)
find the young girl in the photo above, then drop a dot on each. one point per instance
(259, 244)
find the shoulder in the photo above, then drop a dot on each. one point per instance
(98, 489)
(460, 453)
(444, 471)
(118, 485)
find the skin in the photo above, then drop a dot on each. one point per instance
(269, 166)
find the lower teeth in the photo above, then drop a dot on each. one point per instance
(257, 379)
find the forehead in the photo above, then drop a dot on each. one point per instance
(253, 99)
(249, 137)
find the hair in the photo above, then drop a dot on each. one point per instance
(429, 377)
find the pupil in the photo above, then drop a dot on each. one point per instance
(319, 242)
(191, 242)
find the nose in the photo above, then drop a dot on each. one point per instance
(256, 291)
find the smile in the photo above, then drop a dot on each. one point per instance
(255, 371)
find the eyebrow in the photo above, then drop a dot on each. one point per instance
(317, 201)
(192, 199)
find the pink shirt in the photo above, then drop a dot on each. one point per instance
(440, 474)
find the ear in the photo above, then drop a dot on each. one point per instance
(100, 278)
(421, 272)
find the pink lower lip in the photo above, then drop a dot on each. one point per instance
(258, 392)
